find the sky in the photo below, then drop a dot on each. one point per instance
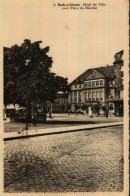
(78, 39)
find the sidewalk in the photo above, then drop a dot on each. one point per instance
(56, 130)
(73, 117)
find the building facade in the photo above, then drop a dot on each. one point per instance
(59, 105)
(101, 86)
(118, 87)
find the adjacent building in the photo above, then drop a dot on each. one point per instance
(102, 86)
(118, 88)
(60, 104)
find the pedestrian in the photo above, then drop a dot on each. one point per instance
(107, 113)
(50, 116)
(91, 113)
(34, 122)
(26, 128)
(11, 116)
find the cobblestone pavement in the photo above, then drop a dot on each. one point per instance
(85, 161)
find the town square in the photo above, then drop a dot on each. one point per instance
(73, 143)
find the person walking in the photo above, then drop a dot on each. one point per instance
(25, 129)
(107, 112)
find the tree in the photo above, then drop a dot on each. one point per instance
(28, 78)
(104, 108)
(96, 109)
(84, 107)
(76, 106)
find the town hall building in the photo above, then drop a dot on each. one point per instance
(102, 86)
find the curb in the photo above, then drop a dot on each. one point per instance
(60, 132)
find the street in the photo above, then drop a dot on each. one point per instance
(84, 161)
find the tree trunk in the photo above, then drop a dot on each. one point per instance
(50, 113)
(28, 107)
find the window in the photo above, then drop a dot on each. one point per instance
(97, 96)
(101, 95)
(75, 85)
(79, 85)
(86, 96)
(93, 83)
(111, 91)
(71, 97)
(89, 83)
(97, 83)
(75, 96)
(101, 82)
(111, 94)
(89, 96)
(93, 96)
(79, 96)
(86, 84)
(111, 82)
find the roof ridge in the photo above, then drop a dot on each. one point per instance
(104, 72)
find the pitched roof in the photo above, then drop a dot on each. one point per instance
(107, 72)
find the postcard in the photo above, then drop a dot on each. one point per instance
(64, 97)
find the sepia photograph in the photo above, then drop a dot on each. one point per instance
(64, 79)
